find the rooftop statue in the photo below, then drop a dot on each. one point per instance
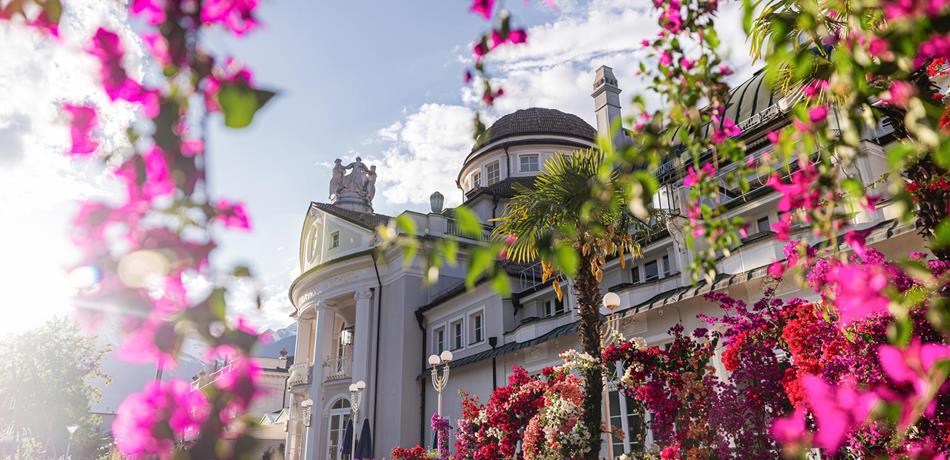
(357, 185)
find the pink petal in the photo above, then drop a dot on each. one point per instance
(84, 121)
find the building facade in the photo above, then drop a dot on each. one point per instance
(364, 314)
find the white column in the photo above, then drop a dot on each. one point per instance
(322, 344)
(362, 336)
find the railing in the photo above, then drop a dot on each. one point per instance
(207, 379)
(452, 228)
(299, 374)
(530, 276)
(337, 368)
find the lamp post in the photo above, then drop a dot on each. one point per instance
(72, 430)
(611, 303)
(356, 396)
(438, 382)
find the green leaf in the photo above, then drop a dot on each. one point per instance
(241, 271)
(240, 102)
(480, 262)
(566, 259)
(942, 155)
(468, 222)
(406, 224)
(501, 284)
(942, 237)
(53, 10)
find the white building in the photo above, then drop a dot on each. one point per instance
(364, 315)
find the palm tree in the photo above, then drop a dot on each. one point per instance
(557, 222)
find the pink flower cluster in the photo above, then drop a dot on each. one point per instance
(146, 422)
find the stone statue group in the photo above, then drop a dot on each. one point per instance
(360, 181)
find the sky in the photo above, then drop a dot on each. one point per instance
(379, 79)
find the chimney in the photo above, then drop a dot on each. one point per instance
(607, 103)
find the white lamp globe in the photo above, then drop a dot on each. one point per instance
(434, 360)
(611, 300)
(360, 385)
(352, 388)
(446, 356)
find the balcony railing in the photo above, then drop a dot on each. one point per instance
(337, 368)
(204, 380)
(299, 375)
(452, 228)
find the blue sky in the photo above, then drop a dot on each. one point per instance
(381, 79)
(384, 80)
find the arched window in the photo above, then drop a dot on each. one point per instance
(336, 429)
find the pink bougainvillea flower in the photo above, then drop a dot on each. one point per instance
(242, 382)
(233, 215)
(899, 94)
(43, 23)
(665, 59)
(108, 49)
(192, 147)
(837, 409)
(773, 137)
(158, 46)
(869, 202)
(152, 10)
(84, 121)
(695, 177)
(152, 341)
(855, 239)
(645, 42)
(878, 47)
(727, 129)
(815, 87)
(776, 270)
(725, 70)
(798, 193)
(791, 429)
(818, 114)
(236, 16)
(858, 290)
(483, 8)
(158, 177)
(517, 36)
(162, 407)
(468, 77)
(938, 46)
(912, 365)
(782, 228)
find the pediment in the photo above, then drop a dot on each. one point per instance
(327, 236)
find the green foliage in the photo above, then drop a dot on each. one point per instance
(47, 382)
(240, 102)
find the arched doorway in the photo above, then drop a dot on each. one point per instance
(339, 417)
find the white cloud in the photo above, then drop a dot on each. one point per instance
(554, 69)
(424, 154)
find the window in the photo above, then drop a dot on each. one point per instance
(457, 334)
(438, 340)
(476, 179)
(666, 265)
(477, 334)
(553, 307)
(651, 271)
(334, 239)
(763, 224)
(529, 163)
(635, 274)
(492, 173)
(626, 415)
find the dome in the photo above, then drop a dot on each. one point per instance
(746, 105)
(537, 120)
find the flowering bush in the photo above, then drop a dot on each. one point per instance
(555, 432)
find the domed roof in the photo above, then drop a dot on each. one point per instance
(746, 101)
(537, 120)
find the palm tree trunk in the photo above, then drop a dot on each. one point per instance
(587, 290)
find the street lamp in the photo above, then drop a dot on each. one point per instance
(438, 382)
(356, 395)
(611, 303)
(306, 407)
(72, 430)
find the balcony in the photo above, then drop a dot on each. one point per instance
(299, 375)
(452, 228)
(337, 368)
